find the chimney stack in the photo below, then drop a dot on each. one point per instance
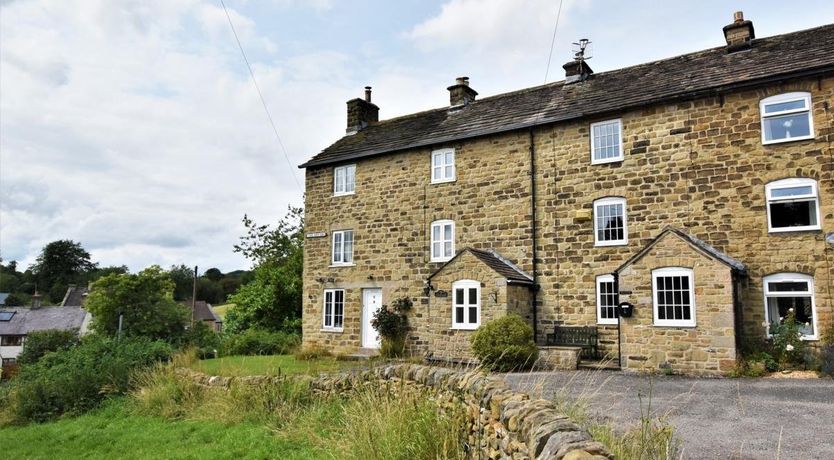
(739, 34)
(578, 69)
(36, 300)
(361, 113)
(460, 93)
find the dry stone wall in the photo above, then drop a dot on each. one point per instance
(501, 423)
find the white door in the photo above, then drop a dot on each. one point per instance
(371, 302)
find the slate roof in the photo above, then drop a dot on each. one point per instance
(496, 262)
(74, 297)
(697, 243)
(710, 72)
(26, 320)
(202, 311)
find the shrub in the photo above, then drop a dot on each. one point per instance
(505, 344)
(258, 342)
(40, 343)
(788, 348)
(827, 360)
(202, 338)
(78, 379)
(392, 325)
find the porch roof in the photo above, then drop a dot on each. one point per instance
(496, 262)
(696, 243)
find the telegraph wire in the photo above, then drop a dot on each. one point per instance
(261, 97)
(553, 41)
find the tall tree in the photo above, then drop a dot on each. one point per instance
(145, 301)
(274, 296)
(60, 263)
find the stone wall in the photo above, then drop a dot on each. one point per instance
(696, 165)
(709, 346)
(501, 423)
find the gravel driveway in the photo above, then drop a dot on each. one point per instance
(715, 418)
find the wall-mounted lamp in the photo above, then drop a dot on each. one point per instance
(494, 296)
(427, 288)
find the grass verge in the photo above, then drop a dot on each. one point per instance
(236, 366)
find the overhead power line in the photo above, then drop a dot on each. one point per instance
(261, 97)
(553, 41)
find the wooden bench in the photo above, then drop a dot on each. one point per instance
(585, 337)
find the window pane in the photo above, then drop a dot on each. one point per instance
(337, 247)
(610, 225)
(350, 180)
(447, 232)
(803, 190)
(435, 250)
(793, 214)
(447, 249)
(449, 172)
(328, 309)
(339, 309)
(459, 314)
(437, 171)
(437, 160)
(778, 308)
(450, 158)
(788, 286)
(782, 106)
(606, 140)
(435, 233)
(787, 126)
(473, 315)
(473, 296)
(459, 296)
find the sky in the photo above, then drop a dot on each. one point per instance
(134, 128)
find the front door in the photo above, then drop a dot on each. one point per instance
(371, 302)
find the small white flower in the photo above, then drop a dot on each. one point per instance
(790, 310)
(789, 347)
(781, 318)
(807, 323)
(765, 324)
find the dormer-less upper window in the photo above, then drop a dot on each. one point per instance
(786, 117)
(792, 205)
(443, 165)
(344, 180)
(606, 141)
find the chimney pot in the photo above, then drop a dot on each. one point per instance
(739, 34)
(367, 94)
(460, 93)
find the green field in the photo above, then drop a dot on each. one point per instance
(115, 432)
(236, 366)
(221, 310)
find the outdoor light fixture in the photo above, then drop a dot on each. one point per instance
(427, 288)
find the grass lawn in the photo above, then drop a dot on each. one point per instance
(235, 366)
(221, 310)
(114, 432)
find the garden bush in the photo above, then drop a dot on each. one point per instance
(258, 342)
(788, 348)
(40, 343)
(203, 339)
(392, 325)
(505, 344)
(75, 380)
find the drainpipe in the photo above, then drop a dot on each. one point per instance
(533, 228)
(616, 276)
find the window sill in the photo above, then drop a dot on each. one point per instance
(782, 141)
(332, 330)
(439, 261)
(602, 244)
(443, 181)
(607, 323)
(464, 328)
(343, 194)
(804, 338)
(608, 160)
(675, 325)
(794, 229)
(341, 265)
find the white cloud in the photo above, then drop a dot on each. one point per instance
(145, 140)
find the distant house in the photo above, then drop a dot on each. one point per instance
(75, 296)
(18, 322)
(203, 312)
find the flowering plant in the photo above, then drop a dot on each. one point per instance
(786, 335)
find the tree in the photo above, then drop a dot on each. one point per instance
(60, 263)
(213, 274)
(183, 278)
(146, 302)
(99, 273)
(273, 298)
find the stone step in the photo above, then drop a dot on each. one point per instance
(363, 354)
(606, 365)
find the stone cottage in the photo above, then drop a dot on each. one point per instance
(696, 189)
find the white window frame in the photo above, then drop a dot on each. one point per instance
(340, 188)
(620, 156)
(782, 98)
(674, 271)
(790, 183)
(790, 277)
(605, 202)
(332, 316)
(600, 320)
(339, 249)
(466, 285)
(441, 154)
(441, 257)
